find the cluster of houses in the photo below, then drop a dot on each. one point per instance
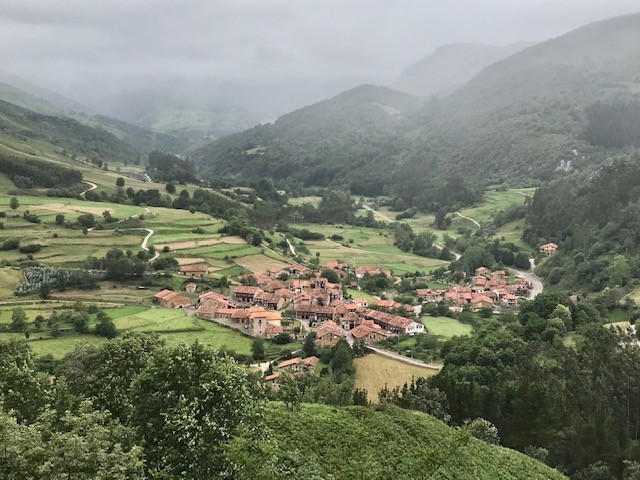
(487, 289)
(294, 366)
(268, 307)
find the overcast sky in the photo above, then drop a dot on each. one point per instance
(70, 45)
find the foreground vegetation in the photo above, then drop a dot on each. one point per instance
(189, 412)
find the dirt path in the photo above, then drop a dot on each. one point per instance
(92, 186)
(378, 214)
(144, 244)
(205, 242)
(402, 358)
(467, 218)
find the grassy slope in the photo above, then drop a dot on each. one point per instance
(373, 372)
(362, 443)
(446, 327)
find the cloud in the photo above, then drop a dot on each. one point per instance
(93, 48)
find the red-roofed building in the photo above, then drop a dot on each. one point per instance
(368, 333)
(194, 270)
(171, 299)
(292, 365)
(246, 293)
(548, 249)
(328, 334)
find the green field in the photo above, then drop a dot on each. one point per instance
(495, 201)
(446, 327)
(172, 325)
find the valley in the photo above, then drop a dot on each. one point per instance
(438, 278)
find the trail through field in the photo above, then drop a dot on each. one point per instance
(147, 178)
(92, 186)
(376, 213)
(467, 218)
(144, 244)
(402, 358)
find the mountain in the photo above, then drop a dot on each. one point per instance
(27, 133)
(55, 99)
(314, 145)
(141, 139)
(521, 120)
(451, 66)
(322, 441)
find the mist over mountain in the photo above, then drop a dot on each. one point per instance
(451, 66)
(519, 120)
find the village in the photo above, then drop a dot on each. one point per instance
(286, 304)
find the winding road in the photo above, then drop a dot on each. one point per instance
(92, 186)
(378, 214)
(144, 244)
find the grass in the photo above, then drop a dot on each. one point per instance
(361, 294)
(259, 263)
(495, 201)
(446, 327)
(373, 372)
(9, 281)
(174, 326)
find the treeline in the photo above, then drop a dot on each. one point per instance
(422, 244)
(594, 220)
(574, 407)
(30, 172)
(477, 251)
(164, 167)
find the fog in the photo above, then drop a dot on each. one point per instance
(266, 56)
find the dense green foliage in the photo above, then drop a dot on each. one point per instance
(594, 220)
(39, 172)
(580, 404)
(318, 442)
(164, 167)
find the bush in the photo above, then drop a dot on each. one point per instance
(31, 248)
(10, 244)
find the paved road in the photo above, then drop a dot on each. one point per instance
(92, 186)
(535, 281)
(402, 358)
(467, 218)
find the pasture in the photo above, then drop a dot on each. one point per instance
(374, 372)
(446, 327)
(174, 326)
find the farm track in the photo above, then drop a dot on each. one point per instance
(403, 359)
(92, 186)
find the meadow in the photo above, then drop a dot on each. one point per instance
(174, 326)
(446, 327)
(374, 372)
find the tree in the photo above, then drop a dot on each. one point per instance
(18, 320)
(290, 392)
(187, 403)
(331, 275)
(257, 349)
(14, 203)
(22, 389)
(45, 290)
(483, 430)
(59, 219)
(309, 346)
(105, 326)
(120, 182)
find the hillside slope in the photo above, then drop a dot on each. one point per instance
(321, 441)
(315, 144)
(141, 139)
(521, 120)
(451, 66)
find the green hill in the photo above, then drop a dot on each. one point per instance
(321, 442)
(346, 137)
(451, 66)
(522, 120)
(141, 139)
